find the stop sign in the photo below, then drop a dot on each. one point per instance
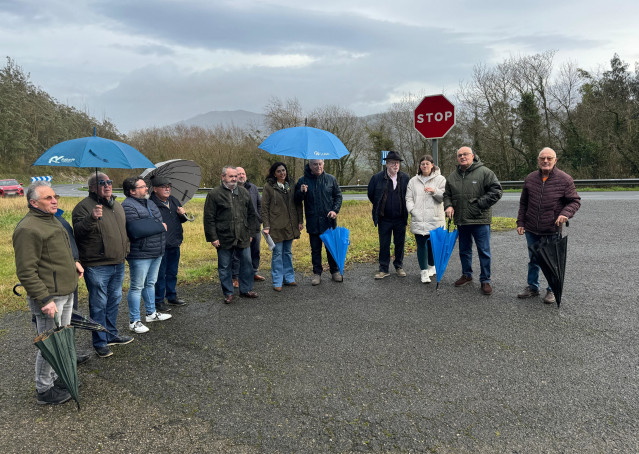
(434, 116)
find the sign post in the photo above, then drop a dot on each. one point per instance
(434, 117)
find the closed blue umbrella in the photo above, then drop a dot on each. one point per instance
(304, 142)
(442, 242)
(337, 241)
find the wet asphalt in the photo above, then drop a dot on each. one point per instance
(365, 365)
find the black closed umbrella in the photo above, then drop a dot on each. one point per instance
(550, 253)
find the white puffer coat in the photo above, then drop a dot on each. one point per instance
(426, 210)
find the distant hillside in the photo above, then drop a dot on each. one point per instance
(240, 118)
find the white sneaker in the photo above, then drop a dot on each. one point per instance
(138, 327)
(157, 317)
(432, 271)
(425, 277)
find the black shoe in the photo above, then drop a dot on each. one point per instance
(177, 302)
(53, 396)
(82, 357)
(120, 340)
(103, 352)
(162, 307)
(58, 383)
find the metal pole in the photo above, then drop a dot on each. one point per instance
(435, 157)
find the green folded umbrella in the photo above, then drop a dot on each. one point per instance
(58, 349)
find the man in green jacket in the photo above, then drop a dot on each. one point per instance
(48, 272)
(228, 220)
(471, 190)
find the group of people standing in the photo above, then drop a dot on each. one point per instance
(146, 232)
(548, 200)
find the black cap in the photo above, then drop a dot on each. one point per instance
(393, 156)
(159, 180)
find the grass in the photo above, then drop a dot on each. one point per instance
(198, 261)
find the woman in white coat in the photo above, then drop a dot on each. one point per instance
(424, 202)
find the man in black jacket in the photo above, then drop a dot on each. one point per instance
(387, 193)
(322, 200)
(173, 215)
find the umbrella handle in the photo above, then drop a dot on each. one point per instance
(189, 217)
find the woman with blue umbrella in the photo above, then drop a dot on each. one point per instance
(425, 203)
(282, 220)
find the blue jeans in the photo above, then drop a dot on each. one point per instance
(481, 234)
(144, 273)
(224, 268)
(282, 264)
(104, 284)
(167, 275)
(533, 267)
(255, 257)
(386, 228)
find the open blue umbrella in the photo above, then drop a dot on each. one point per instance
(337, 241)
(304, 142)
(442, 242)
(95, 152)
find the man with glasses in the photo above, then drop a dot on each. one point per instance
(387, 193)
(548, 199)
(99, 227)
(471, 191)
(48, 272)
(173, 215)
(322, 200)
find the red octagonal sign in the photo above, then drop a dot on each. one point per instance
(434, 116)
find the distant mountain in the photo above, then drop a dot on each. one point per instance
(241, 118)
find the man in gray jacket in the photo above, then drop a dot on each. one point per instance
(471, 190)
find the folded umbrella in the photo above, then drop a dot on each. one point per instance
(550, 254)
(81, 322)
(442, 242)
(337, 241)
(57, 346)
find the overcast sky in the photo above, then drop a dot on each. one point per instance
(145, 63)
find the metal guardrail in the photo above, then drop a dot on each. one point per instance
(504, 184)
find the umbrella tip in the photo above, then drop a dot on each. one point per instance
(94, 131)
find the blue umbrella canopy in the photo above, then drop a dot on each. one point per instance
(93, 152)
(337, 241)
(442, 243)
(304, 142)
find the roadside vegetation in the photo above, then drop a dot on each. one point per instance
(199, 259)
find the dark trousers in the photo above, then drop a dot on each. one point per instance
(167, 275)
(255, 257)
(386, 228)
(316, 255)
(424, 251)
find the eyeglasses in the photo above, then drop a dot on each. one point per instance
(461, 155)
(105, 182)
(50, 197)
(546, 158)
(164, 186)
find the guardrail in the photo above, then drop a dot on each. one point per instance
(504, 184)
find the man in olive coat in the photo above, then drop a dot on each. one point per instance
(228, 219)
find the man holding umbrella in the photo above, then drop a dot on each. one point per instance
(99, 226)
(48, 272)
(548, 199)
(322, 200)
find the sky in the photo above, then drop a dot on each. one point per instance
(151, 63)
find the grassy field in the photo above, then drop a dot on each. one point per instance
(198, 258)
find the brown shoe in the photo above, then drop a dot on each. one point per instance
(228, 299)
(290, 284)
(236, 283)
(550, 297)
(249, 294)
(277, 289)
(337, 276)
(257, 277)
(528, 293)
(463, 280)
(486, 289)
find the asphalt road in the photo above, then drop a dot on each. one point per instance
(365, 365)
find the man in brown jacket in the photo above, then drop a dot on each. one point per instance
(548, 200)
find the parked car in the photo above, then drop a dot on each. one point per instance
(10, 188)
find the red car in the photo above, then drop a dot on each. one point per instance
(9, 188)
